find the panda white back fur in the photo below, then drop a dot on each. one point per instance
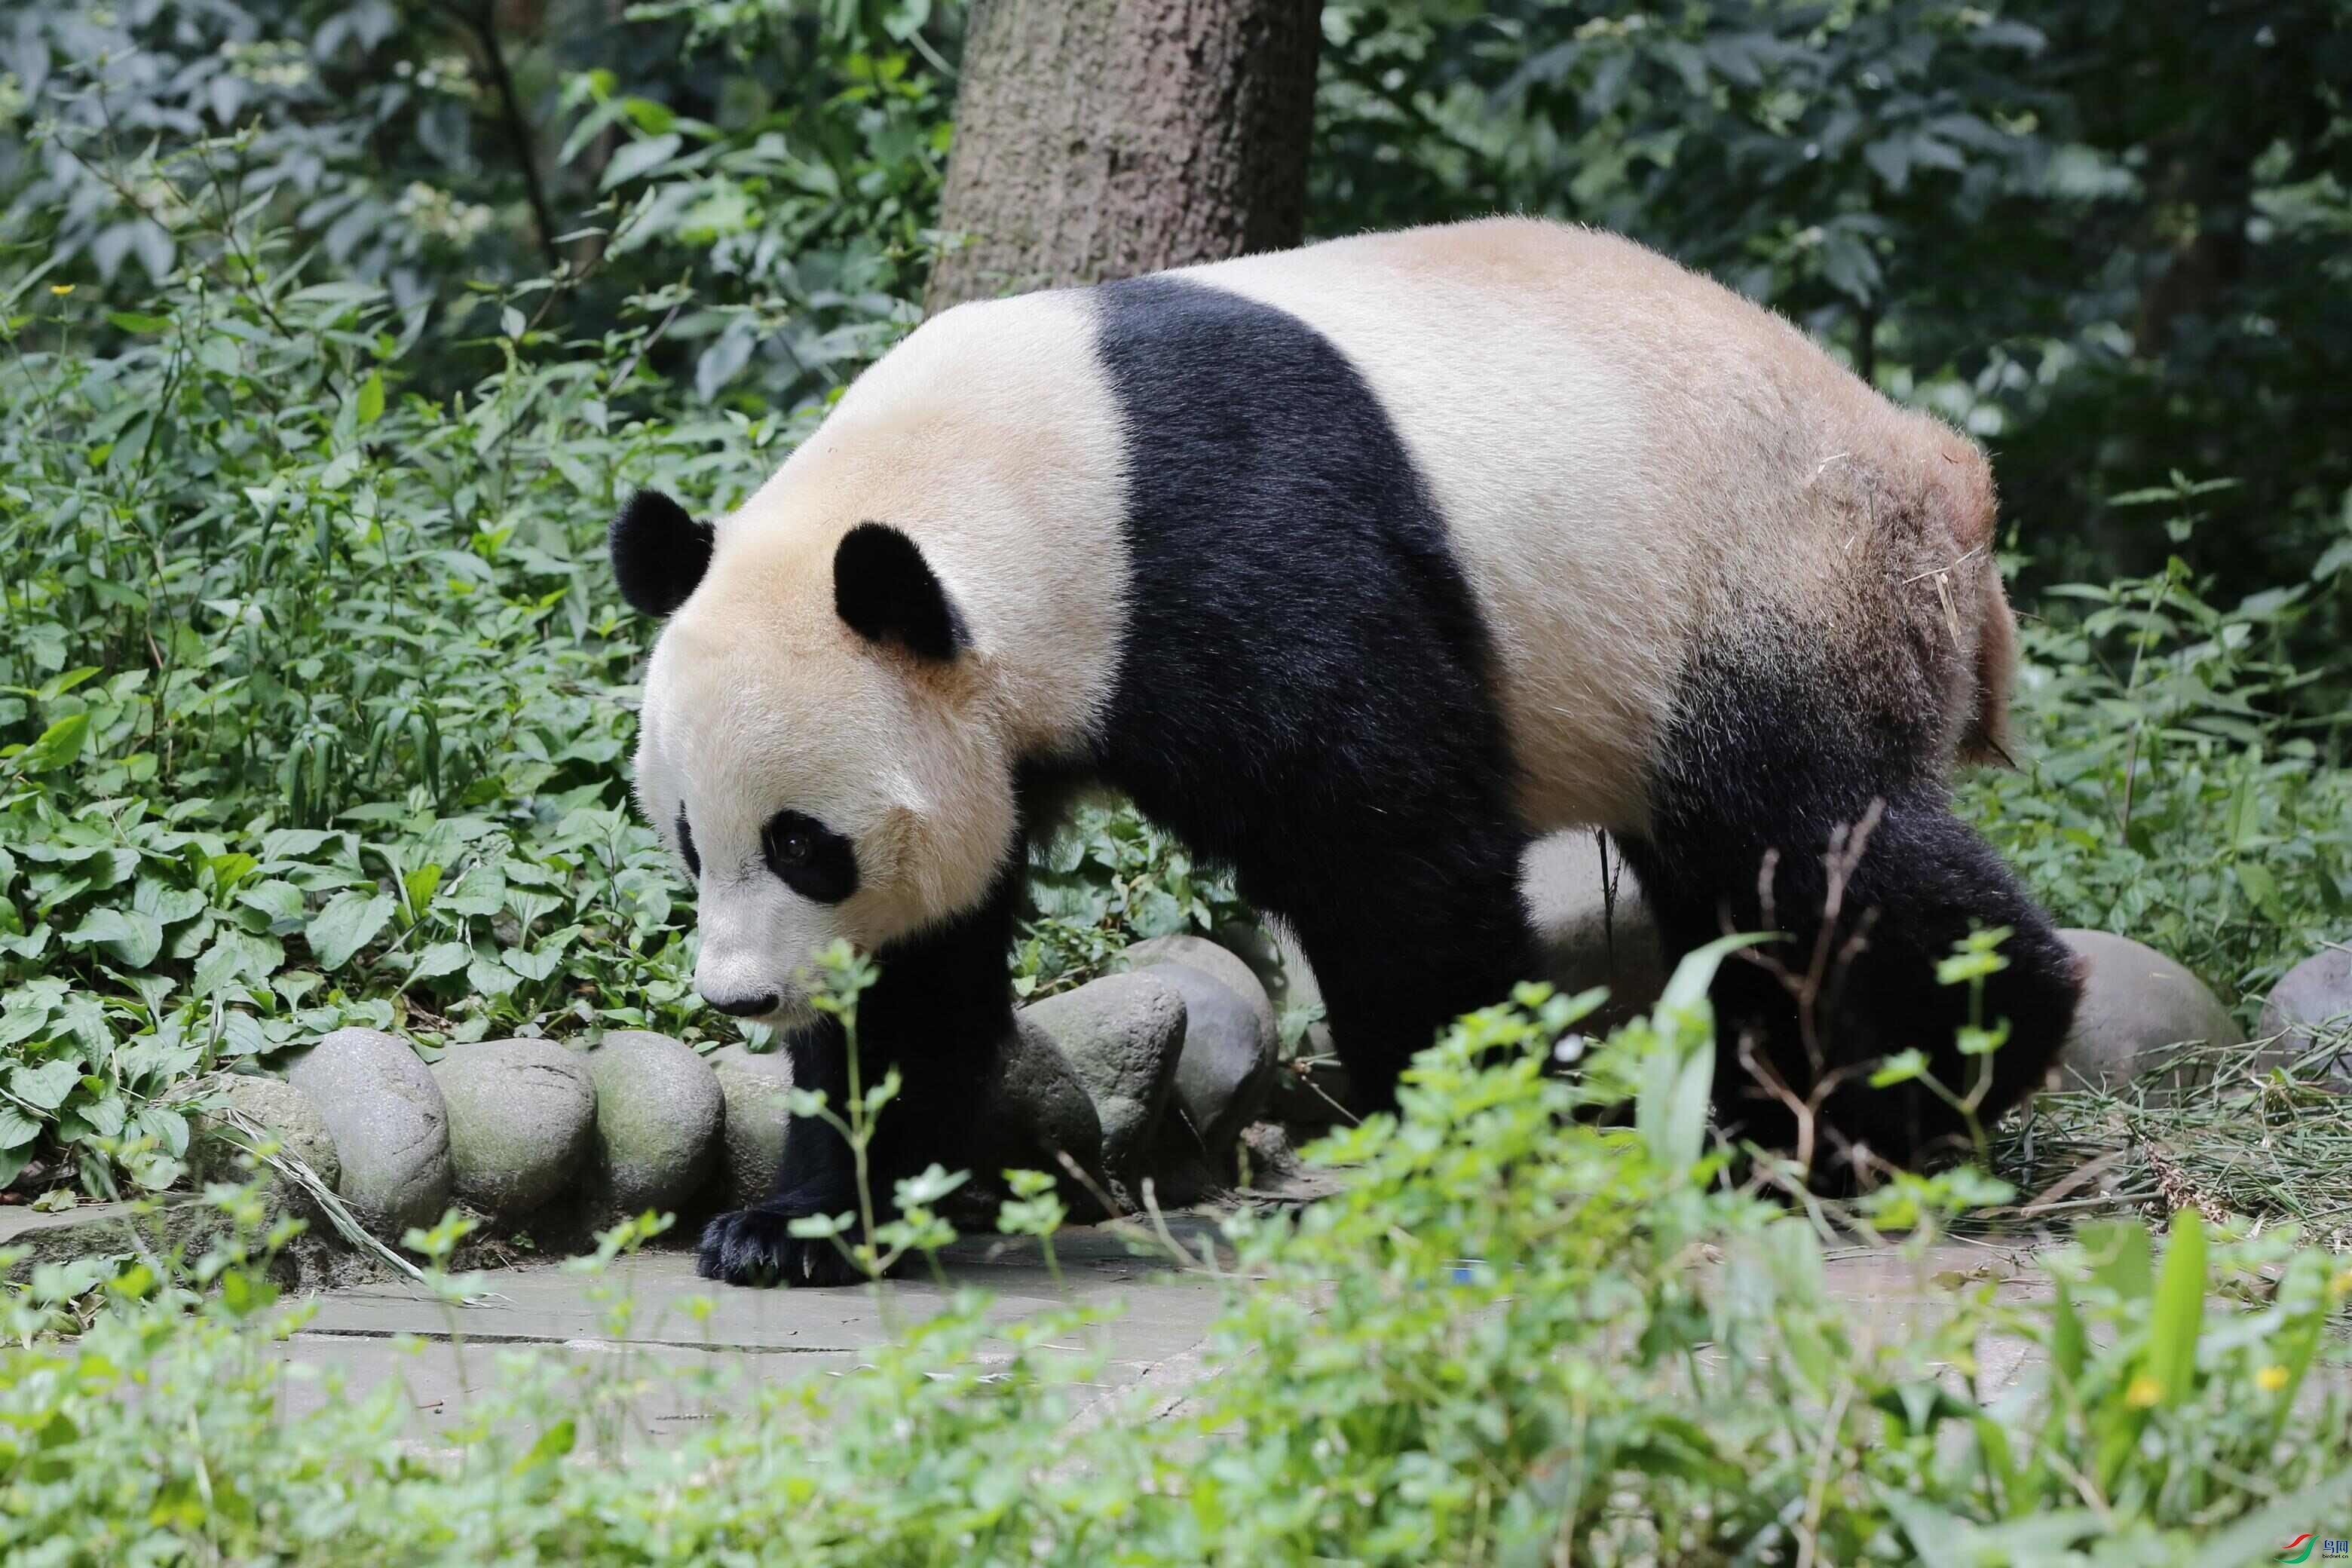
(1359, 566)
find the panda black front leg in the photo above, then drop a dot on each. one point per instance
(939, 1015)
(755, 1245)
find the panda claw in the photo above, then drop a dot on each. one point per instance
(756, 1246)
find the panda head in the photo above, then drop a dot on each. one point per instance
(813, 742)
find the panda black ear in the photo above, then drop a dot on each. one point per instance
(887, 591)
(659, 553)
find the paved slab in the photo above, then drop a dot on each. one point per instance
(643, 1308)
(642, 1311)
(1892, 1298)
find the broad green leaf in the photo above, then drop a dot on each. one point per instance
(131, 937)
(490, 978)
(44, 1088)
(637, 158)
(349, 921)
(234, 957)
(105, 1114)
(441, 958)
(59, 744)
(283, 902)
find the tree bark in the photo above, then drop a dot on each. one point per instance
(1099, 139)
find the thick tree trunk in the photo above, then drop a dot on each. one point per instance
(1100, 139)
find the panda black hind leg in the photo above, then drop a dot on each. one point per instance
(1777, 809)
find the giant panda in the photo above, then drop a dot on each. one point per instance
(1358, 567)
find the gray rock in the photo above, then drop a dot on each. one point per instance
(1034, 1105)
(659, 1115)
(285, 1114)
(2311, 1007)
(390, 1128)
(1120, 1036)
(1224, 1075)
(2142, 1016)
(753, 1084)
(522, 1122)
(1592, 925)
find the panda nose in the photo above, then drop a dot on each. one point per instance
(745, 1006)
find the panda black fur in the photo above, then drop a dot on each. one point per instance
(1359, 567)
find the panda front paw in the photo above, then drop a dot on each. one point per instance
(756, 1246)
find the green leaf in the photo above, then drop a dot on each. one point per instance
(2179, 1310)
(59, 744)
(553, 1445)
(639, 157)
(104, 1114)
(2262, 892)
(130, 937)
(44, 1088)
(349, 921)
(281, 902)
(1903, 1067)
(441, 958)
(2069, 1347)
(1688, 986)
(370, 406)
(132, 321)
(420, 885)
(235, 956)
(490, 978)
(652, 117)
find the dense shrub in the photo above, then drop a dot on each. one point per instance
(1517, 1337)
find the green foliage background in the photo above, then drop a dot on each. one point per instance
(334, 333)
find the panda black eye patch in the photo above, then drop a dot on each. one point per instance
(809, 857)
(686, 847)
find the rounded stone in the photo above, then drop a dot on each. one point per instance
(753, 1084)
(390, 1128)
(2309, 1010)
(659, 1115)
(1121, 1036)
(2142, 1016)
(1224, 1075)
(1591, 924)
(1034, 1103)
(284, 1113)
(522, 1122)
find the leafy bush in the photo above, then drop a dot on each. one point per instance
(1520, 1334)
(2167, 790)
(315, 700)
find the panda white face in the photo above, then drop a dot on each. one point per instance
(820, 780)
